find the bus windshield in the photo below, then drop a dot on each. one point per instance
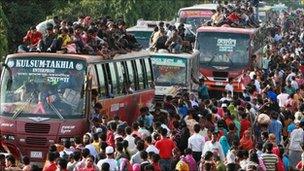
(169, 71)
(143, 37)
(39, 87)
(223, 49)
(195, 18)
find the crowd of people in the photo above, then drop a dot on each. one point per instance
(259, 129)
(174, 40)
(103, 37)
(238, 14)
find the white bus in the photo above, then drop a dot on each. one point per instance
(172, 72)
(143, 31)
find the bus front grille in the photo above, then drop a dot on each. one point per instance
(36, 140)
(37, 128)
(220, 75)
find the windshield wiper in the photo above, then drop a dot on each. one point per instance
(56, 111)
(18, 112)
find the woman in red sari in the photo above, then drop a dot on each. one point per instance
(246, 142)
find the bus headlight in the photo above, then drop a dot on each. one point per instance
(62, 139)
(9, 137)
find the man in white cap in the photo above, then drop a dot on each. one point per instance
(110, 159)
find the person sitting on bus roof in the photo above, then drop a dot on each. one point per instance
(47, 40)
(77, 38)
(129, 40)
(217, 17)
(234, 18)
(79, 21)
(153, 35)
(160, 39)
(170, 30)
(174, 42)
(91, 41)
(61, 42)
(113, 37)
(30, 41)
(252, 19)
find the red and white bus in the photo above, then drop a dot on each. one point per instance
(196, 15)
(227, 52)
(47, 97)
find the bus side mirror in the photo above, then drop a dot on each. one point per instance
(9, 84)
(10, 80)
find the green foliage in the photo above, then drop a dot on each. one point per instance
(22, 15)
(3, 34)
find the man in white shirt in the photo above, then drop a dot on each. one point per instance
(151, 147)
(289, 76)
(193, 100)
(294, 83)
(296, 140)
(229, 86)
(257, 84)
(143, 131)
(110, 159)
(196, 143)
(131, 141)
(87, 141)
(214, 146)
(282, 98)
(67, 149)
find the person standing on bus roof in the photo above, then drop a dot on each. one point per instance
(229, 86)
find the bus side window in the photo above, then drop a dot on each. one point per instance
(102, 81)
(131, 73)
(113, 83)
(92, 73)
(149, 72)
(145, 77)
(140, 74)
(122, 78)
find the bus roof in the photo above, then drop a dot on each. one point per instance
(139, 28)
(87, 58)
(146, 25)
(227, 29)
(265, 8)
(180, 55)
(200, 6)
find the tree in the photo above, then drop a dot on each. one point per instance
(3, 34)
(23, 14)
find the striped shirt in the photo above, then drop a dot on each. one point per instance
(270, 161)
